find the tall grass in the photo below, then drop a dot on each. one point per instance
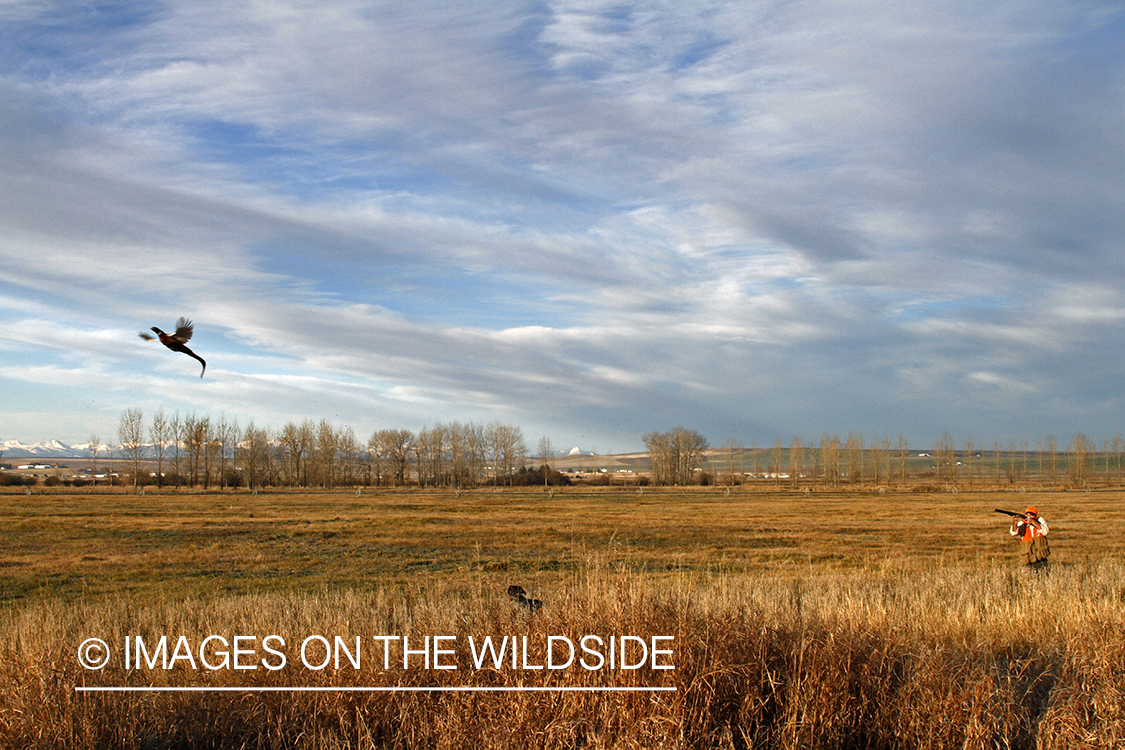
(886, 656)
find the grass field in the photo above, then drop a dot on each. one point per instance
(857, 620)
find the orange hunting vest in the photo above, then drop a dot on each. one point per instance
(1030, 532)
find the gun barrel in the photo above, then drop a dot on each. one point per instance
(1009, 512)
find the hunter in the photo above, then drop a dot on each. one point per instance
(1032, 532)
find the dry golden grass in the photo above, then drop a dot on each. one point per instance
(74, 544)
(858, 621)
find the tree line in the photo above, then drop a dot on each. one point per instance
(836, 461)
(199, 451)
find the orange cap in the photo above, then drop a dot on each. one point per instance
(1031, 509)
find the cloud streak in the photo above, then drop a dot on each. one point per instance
(590, 219)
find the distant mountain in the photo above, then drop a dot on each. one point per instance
(46, 449)
(576, 451)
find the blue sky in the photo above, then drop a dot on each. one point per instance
(588, 219)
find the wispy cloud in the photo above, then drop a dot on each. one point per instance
(592, 219)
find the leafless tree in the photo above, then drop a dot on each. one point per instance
(375, 459)
(95, 447)
(830, 457)
(211, 451)
(546, 455)
(902, 451)
(463, 461)
(796, 461)
(506, 445)
(1118, 447)
(1013, 466)
(945, 451)
(1080, 449)
(431, 451)
(175, 431)
(1023, 459)
(348, 450)
(254, 452)
(674, 455)
(476, 448)
(327, 453)
(398, 447)
(854, 449)
(160, 435)
(969, 452)
(296, 442)
(729, 449)
(195, 435)
(1052, 457)
(226, 438)
(131, 439)
(659, 447)
(775, 460)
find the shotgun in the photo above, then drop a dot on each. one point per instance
(1010, 513)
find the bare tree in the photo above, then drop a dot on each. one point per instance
(175, 430)
(160, 435)
(944, 452)
(775, 460)
(1081, 452)
(659, 447)
(830, 456)
(398, 446)
(375, 459)
(460, 454)
(970, 452)
(546, 455)
(729, 448)
(1052, 457)
(195, 435)
(902, 451)
(226, 437)
(796, 461)
(348, 450)
(94, 447)
(131, 437)
(881, 458)
(254, 450)
(506, 444)
(431, 451)
(210, 453)
(674, 455)
(327, 452)
(476, 450)
(1013, 466)
(1118, 447)
(296, 442)
(997, 454)
(854, 448)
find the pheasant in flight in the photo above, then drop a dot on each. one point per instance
(176, 341)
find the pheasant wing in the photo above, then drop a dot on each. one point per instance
(184, 330)
(146, 336)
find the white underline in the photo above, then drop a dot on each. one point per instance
(295, 689)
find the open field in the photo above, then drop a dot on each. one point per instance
(72, 544)
(851, 620)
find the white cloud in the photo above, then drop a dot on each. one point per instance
(747, 214)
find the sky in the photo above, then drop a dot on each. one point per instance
(591, 220)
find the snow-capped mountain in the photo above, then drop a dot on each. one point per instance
(48, 448)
